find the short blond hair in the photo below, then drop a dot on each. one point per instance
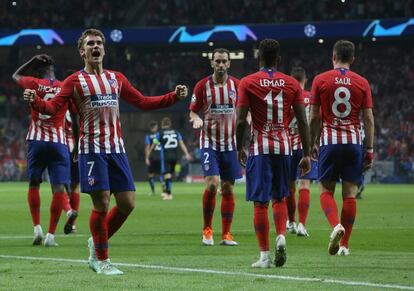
(90, 31)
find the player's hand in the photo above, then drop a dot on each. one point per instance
(75, 153)
(29, 95)
(147, 161)
(181, 91)
(305, 165)
(197, 122)
(315, 153)
(242, 157)
(368, 160)
(188, 157)
(43, 59)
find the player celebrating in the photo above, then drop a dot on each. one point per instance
(270, 94)
(169, 139)
(153, 159)
(103, 163)
(304, 182)
(46, 149)
(338, 96)
(215, 97)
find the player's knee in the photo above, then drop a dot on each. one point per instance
(58, 188)
(34, 184)
(227, 188)
(212, 187)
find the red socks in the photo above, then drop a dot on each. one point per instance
(347, 218)
(209, 203)
(291, 204)
(303, 205)
(329, 207)
(74, 200)
(56, 206)
(65, 203)
(227, 210)
(115, 219)
(99, 230)
(33, 197)
(261, 225)
(279, 216)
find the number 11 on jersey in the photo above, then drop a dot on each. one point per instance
(279, 103)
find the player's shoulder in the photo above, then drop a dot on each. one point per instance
(234, 79)
(357, 77)
(201, 83)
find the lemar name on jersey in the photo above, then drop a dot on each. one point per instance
(104, 100)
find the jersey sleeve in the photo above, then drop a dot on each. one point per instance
(54, 105)
(243, 100)
(27, 82)
(197, 99)
(298, 95)
(147, 140)
(367, 102)
(135, 98)
(179, 136)
(314, 96)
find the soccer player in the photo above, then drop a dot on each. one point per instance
(304, 182)
(215, 98)
(338, 96)
(153, 159)
(103, 164)
(169, 140)
(46, 148)
(269, 95)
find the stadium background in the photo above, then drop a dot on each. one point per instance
(155, 66)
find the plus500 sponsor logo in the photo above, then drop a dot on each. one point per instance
(104, 100)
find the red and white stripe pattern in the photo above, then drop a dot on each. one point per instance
(277, 142)
(293, 125)
(40, 131)
(100, 128)
(218, 131)
(343, 134)
(70, 140)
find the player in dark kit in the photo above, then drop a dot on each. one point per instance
(338, 97)
(103, 163)
(47, 148)
(169, 140)
(153, 159)
(270, 95)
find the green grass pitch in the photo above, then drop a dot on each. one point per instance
(161, 242)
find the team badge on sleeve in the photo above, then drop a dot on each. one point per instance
(193, 98)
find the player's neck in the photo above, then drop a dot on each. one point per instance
(220, 79)
(339, 65)
(93, 69)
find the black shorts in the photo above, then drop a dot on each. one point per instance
(154, 167)
(169, 166)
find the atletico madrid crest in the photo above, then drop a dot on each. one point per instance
(91, 181)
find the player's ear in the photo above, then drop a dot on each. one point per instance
(352, 61)
(212, 63)
(82, 53)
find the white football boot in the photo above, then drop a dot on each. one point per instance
(301, 230)
(343, 251)
(280, 255)
(264, 262)
(50, 240)
(106, 268)
(334, 239)
(38, 235)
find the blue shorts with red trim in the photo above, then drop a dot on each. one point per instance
(340, 161)
(50, 155)
(223, 164)
(295, 171)
(105, 172)
(267, 177)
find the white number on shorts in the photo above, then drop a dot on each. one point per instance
(342, 100)
(206, 156)
(90, 164)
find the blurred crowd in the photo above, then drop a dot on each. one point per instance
(388, 67)
(104, 13)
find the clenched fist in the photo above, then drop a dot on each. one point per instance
(29, 95)
(181, 91)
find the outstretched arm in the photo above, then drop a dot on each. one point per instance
(185, 150)
(135, 98)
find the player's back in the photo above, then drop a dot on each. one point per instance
(169, 139)
(342, 94)
(45, 127)
(270, 96)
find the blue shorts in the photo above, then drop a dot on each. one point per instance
(74, 170)
(223, 164)
(340, 161)
(295, 171)
(52, 155)
(105, 172)
(267, 177)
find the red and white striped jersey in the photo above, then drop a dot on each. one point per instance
(269, 95)
(341, 94)
(70, 139)
(217, 103)
(96, 98)
(293, 124)
(44, 127)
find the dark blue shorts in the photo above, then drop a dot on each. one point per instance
(74, 170)
(105, 172)
(223, 164)
(340, 161)
(154, 167)
(52, 155)
(267, 177)
(295, 171)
